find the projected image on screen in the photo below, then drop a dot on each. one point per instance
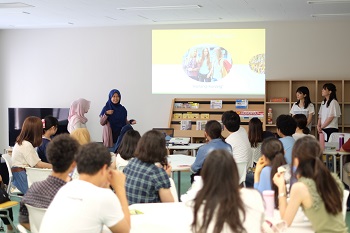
(209, 61)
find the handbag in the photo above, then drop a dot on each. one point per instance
(4, 197)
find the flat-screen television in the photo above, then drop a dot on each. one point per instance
(209, 61)
(16, 117)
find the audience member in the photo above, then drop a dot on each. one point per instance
(76, 118)
(85, 205)
(221, 205)
(50, 125)
(60, 153)
(329, 111)
(303, 105)
(301, 130)
(256, 136)
(126, 150)
(286, 126)
(24, 153)
(272, 158)
(317, 191)
(215, 140)
(113, 117)
(145, 181)
(238, 138)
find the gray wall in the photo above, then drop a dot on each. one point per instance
(53, 67)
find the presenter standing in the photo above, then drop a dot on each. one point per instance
(113, 118)
(303, 105)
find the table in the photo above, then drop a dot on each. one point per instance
(177, 217)
(178, 164)
(334, 154)
(192, 146)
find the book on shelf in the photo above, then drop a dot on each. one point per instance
(190, 115)
(178, 105)
(186, 125)
(200, 125)
(177, 115)
(215, 104)
(250, 114)
(204, 115)
(242, 104)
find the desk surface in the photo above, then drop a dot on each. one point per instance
(177, 217)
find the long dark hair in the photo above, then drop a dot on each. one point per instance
(272, 149)
(50, 121)
(305, 91)
(255, 132)
(309, 154)
(128, 144)
(330, 87)
(221, 201)
(208, 58)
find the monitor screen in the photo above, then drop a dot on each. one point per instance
(16, 117)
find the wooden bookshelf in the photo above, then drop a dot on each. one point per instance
(228, 104)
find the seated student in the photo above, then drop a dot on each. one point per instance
(145, 181)
(50, 125)
(127, 147)
(317, 191)
(24, 153)
(212, 134)
(85, 205)
(238, 138)
(286, 126)
(221, 205)
(302, 129)
(272, 158)
(60, 152)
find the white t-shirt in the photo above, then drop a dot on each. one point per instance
(81, 207)
(120, 161)
(24, 155)
(240, 145)
(333, 110)
(306, 111)
(254, 212)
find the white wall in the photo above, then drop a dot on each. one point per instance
(52, 67)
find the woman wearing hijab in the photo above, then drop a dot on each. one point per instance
(113, 118)
(76, 118)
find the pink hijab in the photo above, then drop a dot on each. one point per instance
(76, 113)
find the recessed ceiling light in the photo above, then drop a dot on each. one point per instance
(14, 5)
(328, 1)
(179, 7)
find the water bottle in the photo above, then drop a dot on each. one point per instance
(341, 140)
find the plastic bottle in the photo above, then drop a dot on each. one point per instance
(269, 116)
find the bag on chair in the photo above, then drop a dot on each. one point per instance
(4, 197)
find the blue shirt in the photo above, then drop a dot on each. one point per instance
(203, 151)
(265, 180)
(288, 143)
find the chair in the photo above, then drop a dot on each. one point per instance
(11, 189)
(37, 174)
(4, 207)
(344, 203)
(242, 172)
(35, 217)
(173, 190)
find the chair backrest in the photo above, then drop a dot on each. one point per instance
(173, 190)
(242, 171)
(121, 167)
(35, 217)
(335, 137)
(8, 161)
(36, 174)
(345, 200)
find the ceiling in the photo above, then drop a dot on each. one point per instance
(97, 13)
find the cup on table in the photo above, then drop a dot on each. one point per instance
(269, 198)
